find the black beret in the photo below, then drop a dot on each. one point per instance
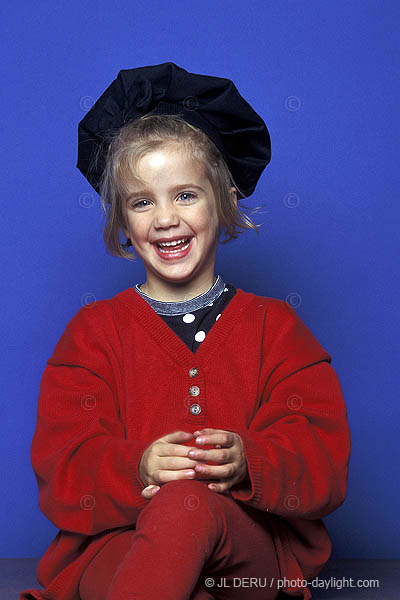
(213, 104)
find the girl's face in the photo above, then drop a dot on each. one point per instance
(177, 204)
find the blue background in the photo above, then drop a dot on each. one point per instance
(324, 78)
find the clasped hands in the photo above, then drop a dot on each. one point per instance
(167, 459)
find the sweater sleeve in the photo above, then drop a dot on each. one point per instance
(298, 444)
(86, 471)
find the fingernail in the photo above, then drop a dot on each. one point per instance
(200, 440)
(190, 473)
(212, 487)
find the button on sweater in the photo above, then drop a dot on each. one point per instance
(120, 378)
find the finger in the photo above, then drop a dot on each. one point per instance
(172, 449)
(210, 431)
(224, 455)
(150, 491)
(221, 486)
(186, 457)
(177, 437)
(217, 471)
(177, 463)
(225, 439)
(207, 430)
(163, 476)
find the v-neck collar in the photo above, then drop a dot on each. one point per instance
(165, 337)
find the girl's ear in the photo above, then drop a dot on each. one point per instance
(127, 234)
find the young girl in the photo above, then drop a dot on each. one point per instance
(190, 435)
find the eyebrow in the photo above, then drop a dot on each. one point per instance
(172, 189)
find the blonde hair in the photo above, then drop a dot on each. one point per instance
(131, 142)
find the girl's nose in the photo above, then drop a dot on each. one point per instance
(165, 217)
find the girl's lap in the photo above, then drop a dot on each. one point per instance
(245, 548)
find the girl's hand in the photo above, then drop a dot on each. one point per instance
(229, 452)
(166, 459)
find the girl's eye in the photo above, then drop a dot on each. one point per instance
(139, 204)
(187, 194)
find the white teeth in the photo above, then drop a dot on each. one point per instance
(174, 243)
(174, 251)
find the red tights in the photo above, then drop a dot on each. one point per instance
(185, 538)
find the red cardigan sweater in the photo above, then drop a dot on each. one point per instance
(118, 379)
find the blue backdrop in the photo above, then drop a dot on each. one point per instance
(324, 78)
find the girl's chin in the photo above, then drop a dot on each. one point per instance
(179, 275)
(174, 276)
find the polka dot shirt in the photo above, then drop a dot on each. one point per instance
(192, 319)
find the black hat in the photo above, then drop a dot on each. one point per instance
(213, 104)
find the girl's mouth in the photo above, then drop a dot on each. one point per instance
(173, 252)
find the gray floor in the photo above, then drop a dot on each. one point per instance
(17, 574)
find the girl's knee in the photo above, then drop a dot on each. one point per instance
(188, 493)
(186, 512)
(185, 499)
